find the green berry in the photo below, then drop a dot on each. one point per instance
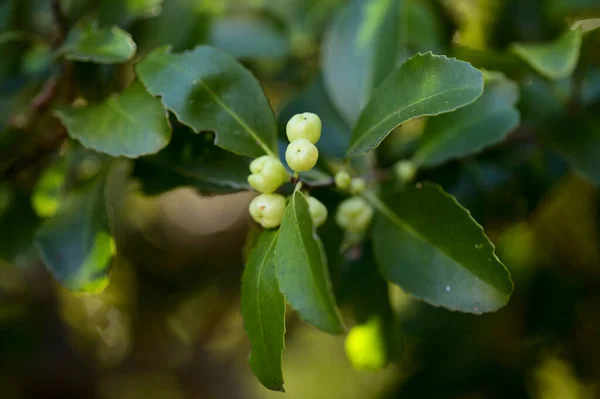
(342, 180)
(267, 210)
(354, 215)
(358, 185)
(268, 174)
(304, 126)
(318, 211)
(405, 171)
(301, 155)
(366, 347)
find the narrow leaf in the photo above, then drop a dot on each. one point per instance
(302, 270)
(554, 60)
(104, 46)
(485, 122)
(424, 85)
(263, 309)
(75, 243)
(210, 91)
(431, 247)
(130, 124)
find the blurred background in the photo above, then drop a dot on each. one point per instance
(168, 325)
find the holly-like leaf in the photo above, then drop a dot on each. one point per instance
(99, 45)
(485, 122)
(302, 270)
(554, 60)
(76, 244)
(118, 12)
(263, 309)
(130, 124)
(210, 91)
(431, 247)
(358, 53)
(425, 85)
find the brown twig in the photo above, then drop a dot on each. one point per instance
(62, 23)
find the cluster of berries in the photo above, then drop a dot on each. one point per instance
(268, 174)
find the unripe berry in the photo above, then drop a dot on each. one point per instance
(301, 155)
(318, 211)
(342, 180)
(366, 345)
(267, 210)
(405, 171)
(268, 174)
(354, 215)
(358, 185)
(304, 126)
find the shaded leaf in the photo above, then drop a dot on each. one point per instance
(302, 270)
(358, 53)
(425, 85)
(554, 60)
(431, 247)
(263, 309)
(76, 244)
(485, 122)
(130, 124)
(118, 12)
(209, 90)
(18, 221)
(100, 45)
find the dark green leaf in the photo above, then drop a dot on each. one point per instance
(433, 249)
(76, 244)
(130, 124)
(425, 85)
(302, 269)
(18, 221)
(554, 60)
(249, 36)
(358, 53)
(263, 309)
(118, 12)
(209, 90)
(485, 122)
(104, 46)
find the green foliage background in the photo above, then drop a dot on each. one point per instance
(126, 130)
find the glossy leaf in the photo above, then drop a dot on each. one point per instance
(431, 247)
(485, 122)
(76, 244)
(263, 309)
(118, 12)
(356, 53)
(554, 60)
(209, 90)
(130, 124)
(100, 45)
(425, 85)
(302, 269)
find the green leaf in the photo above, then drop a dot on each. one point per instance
(130, 124)
(425, 85)
(485, 122)
(431, 247)
(193, 160)
(119, 12)
(263, 309)
(358, 53)
(554, 60)
(76, 244)
(209, 90)
(302, 269)
(103, 46)
(248, 37)
(18, 221)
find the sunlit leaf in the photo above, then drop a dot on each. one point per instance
(100, 45)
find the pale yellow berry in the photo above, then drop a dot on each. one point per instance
(366, 345)
(342, 180)
(318, 211)
(267, 210)
(304, 126)
(358, 185)
(268, 174)
(301, 155)
(405, 171)
(354, 215)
